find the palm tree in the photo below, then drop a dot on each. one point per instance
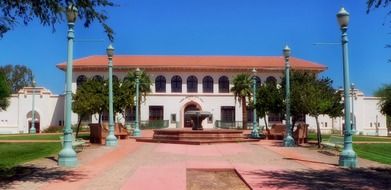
(130, 83)
(242, 90)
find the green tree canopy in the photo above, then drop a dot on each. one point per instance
(49, 13)
(18, 76)
(385, 103)
(5, 92)
(242, 89)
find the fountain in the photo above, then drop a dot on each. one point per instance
(197, 117)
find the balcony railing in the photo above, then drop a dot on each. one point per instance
(152, 124)
(232, 124)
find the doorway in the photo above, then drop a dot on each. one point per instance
(187, 121)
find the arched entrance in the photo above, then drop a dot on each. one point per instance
(190, 107)
(36, 123)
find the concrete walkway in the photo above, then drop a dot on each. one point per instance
(262, 165)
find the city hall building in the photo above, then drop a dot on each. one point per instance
(180, 84)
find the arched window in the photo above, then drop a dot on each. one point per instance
(176, 84)
(258, 81)
(115, 79)
(271, 80)
(98, 78)
(80, 80)
(223, 84)
(207, 84)
(192, 84)
(160, 84)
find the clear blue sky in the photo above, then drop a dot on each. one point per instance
(216, 27)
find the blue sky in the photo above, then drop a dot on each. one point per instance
(216, 27)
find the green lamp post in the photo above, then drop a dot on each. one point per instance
(111, 140)
(353, 117)
(32, 129)
(347, 157)
(67, 156)
(255, 131)
(288, 139)
(137, 131)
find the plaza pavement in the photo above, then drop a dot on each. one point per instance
(144, 166)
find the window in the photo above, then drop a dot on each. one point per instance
(80, 80)
(370, 124)
(207, 84)
(227, 113)
(155, 112)
(176, 84)
(160, 84)
(258, 81)
(130, 114)
(223, 84)
(192, 83)
(250, 114)
(98, 78)
(271, 80)
(274, 117)
(115, 79)
(325, 124)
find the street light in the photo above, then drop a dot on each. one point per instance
(137, 131)
(67, 156)
(353, 117)
(288, 140)
(32, 129)
(111, 140)
(255, 131)
(347, 157)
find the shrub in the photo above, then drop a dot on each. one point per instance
(53, 129)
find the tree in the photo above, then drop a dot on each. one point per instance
(130, 83)
(242, 90)
(5, 92)
(385, 103)
(313, 96)
(17, 76)
(49, 13)
(269, 100)
(372, 4)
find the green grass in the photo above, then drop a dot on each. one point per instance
(38, 137)
(325, 137)
(13, 154)
(376, 152)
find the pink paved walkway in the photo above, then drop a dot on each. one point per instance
(144, 166)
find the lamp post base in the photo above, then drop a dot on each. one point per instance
(136, 132)
(111, 141)
(67, 158)
(347, 159)
(255, 134)
(32, 130)
(289, 141)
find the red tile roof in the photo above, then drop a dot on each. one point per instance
(193, 63)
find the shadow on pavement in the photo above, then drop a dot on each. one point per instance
(349, 179)
(36, 174)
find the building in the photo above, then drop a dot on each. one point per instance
(182, 83)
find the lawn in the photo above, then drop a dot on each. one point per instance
(13, 154)
(38, 137)
(312, 137)
(376, 152)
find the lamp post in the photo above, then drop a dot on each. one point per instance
(255, 131)
(353, 117)
(137, 131)
(111, 140)
(288, 140)
(32, 129)
(348, 157)
(67, 156)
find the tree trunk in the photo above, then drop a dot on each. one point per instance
(139, 110)
(100, 117)
(267, 129)
(318, 133)
(78, 127)
(244, 113)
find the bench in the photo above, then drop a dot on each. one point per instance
(99, 132)
(300, 134)
(277, 131)
(334, 142)
(77, 143)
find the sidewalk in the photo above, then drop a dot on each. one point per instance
(263, 165)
